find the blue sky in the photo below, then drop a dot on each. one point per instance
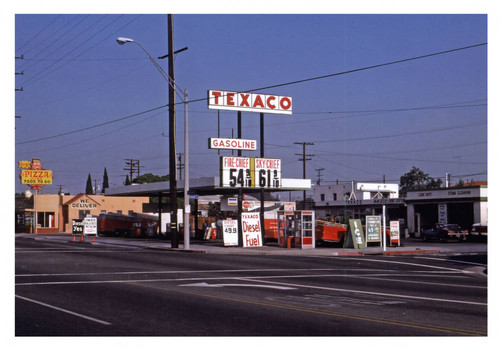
(430, 113)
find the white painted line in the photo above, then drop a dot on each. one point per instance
(204, 284)
(369, 292)
(415, 282)
(64, 310)
(406, 263)
(453, 261)
(204, 271)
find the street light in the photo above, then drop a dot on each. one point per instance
(122, 41)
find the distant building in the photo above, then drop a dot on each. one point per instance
(463, 205)
(341, 202)
(55, 212)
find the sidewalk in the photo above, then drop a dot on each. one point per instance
(409, 247)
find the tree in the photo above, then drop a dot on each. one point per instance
(89, 190)
(150, 178)
(105, 180)
(416, 179)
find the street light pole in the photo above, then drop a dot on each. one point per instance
(173, 179)
(187, 207)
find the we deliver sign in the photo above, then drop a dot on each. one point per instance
(251, 229)
(252, 102)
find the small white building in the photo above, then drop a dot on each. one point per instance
(355, 200)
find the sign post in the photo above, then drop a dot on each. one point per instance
(36, 177)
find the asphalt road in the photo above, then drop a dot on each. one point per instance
(67, 289)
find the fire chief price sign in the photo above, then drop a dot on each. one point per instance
(230, 232)
(235, 172)
(251, 229)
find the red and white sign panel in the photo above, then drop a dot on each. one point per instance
(230, 232)
(267, 173)
(241, 172)
(251, 229)
(232, 144)
(251, 102)
(235, 172)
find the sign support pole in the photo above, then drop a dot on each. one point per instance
(383, 230)
(36, 212)
(240, 193)
(262, 189)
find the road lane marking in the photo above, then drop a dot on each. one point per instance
(414, 282)
(204, 284)
(199, 271)
(407, 263)
(253, 279)
(432, 328)
(367, 292)
(64, 310)
(453, 261)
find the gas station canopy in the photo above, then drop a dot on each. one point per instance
(201, 186)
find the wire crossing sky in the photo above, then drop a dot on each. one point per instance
(369, 91)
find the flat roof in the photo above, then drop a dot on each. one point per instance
(201, 186)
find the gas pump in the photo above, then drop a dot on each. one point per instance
(296, 229)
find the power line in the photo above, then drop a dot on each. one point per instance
(268, 87)
(37, 34)
(91, 127)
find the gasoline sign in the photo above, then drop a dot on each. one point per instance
(232, 144)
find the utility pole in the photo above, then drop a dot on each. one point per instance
(304, 158)
(95, 185)
(171, 135)
(319, 175)
(180, 166)
(133, 166)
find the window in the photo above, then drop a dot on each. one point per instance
(83, 213)
(46, 219)
(322, 197)
(334, 196)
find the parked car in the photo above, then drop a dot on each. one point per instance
(479, 231)
(443, 232)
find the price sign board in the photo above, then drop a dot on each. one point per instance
(230, 232)
(235, 172)
(373, 229)
(267, 173)
(242, 172)
(251, 229)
